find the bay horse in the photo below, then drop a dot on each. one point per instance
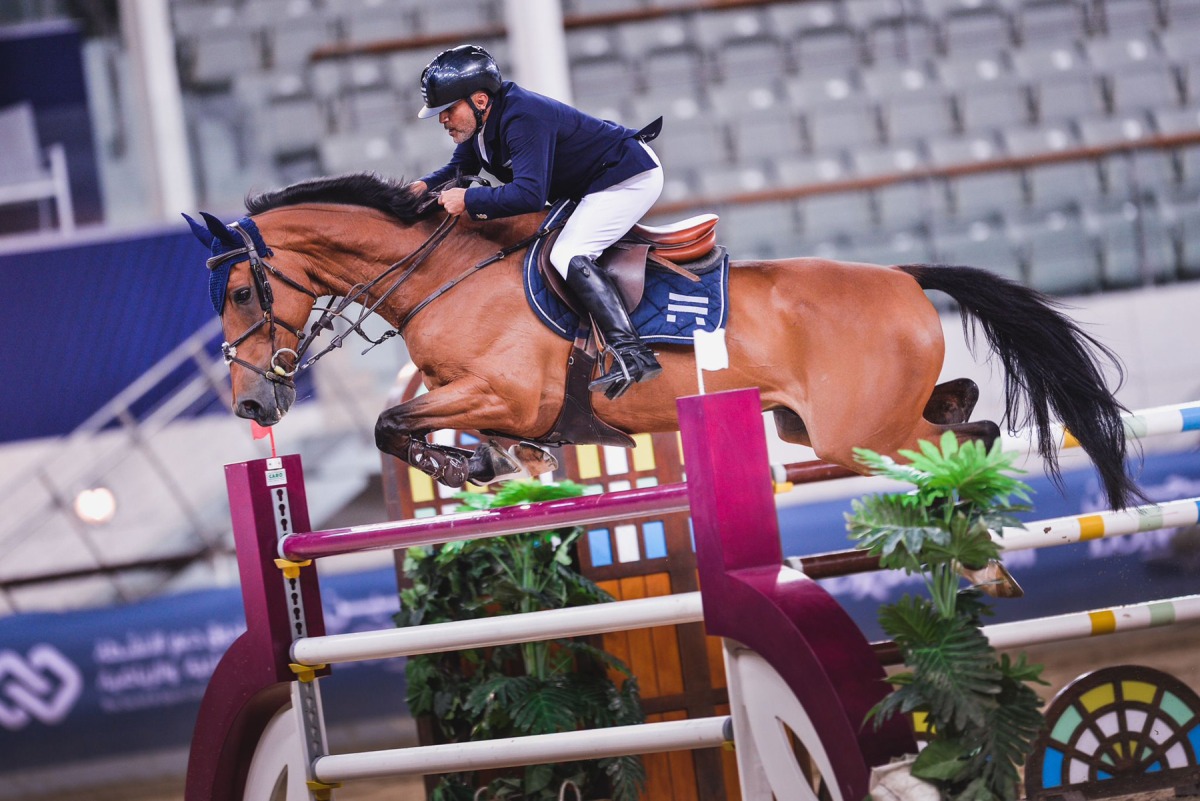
(845, 355)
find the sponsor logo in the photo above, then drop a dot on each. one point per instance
(43, 685)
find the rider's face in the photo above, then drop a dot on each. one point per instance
(459, 120)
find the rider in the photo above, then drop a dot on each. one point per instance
(546, 150)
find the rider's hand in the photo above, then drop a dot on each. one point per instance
(418, 187)
(454, 201)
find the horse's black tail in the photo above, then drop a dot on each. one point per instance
(1057, 367)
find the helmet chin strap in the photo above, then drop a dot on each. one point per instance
(479, 112)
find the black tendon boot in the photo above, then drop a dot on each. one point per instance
(631, 360)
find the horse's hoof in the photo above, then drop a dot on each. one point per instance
(993, 580)
(535, 459)
(490, 463)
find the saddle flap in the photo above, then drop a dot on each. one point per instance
(626, 263)
(627, 266)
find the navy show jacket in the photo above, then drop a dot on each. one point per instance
(543, 150)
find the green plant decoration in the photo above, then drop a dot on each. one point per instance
(514, 690)
(983, 716)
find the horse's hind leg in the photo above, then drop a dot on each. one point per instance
(952, 402)
(790, 427)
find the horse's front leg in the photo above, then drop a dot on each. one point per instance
(401, 431)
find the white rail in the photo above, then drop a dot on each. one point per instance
(646, 738)
(1096, 623)
(578, 621)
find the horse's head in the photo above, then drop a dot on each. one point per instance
(263, 318)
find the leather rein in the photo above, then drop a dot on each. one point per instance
(278, 370)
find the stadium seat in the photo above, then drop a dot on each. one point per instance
(886, 161)
(755, 60)
(967, 149)
(1121, 50)
(291, 126)
(760, 230)
(845, 126)
(379, 21)
(1122, 16)
(374, 112)
(849, 213)
(862, 14)
(1060, 256)
(722, 181)
(769, 136)
(1187, 234)
(1068, 184)
(906, 247)
(1135, 245)
(590, 43)
(1143, 87)
(986, 194)
(1118, 129)
(702, 142)
(1180, 47)
(977, 33)
(603, 81)
(638, 39)
(292, 40)
(995, 105)
(454, 17)
(1039, 139)
(803, 170)
(901, 41)
(1035, 62)
(1067, 96)
(983, 243)
(911, 204)
(716, 30)
(1183, 15)
(787, 20)
(827, 52)
(591, 8)
(1045, 22)
(357, 152)
(917, 116)
(216, 60)
(676, 70)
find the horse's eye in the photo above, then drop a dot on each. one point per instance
(241, 295)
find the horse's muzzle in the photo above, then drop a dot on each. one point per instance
(266, 403)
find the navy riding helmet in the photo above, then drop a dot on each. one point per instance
(456, 74)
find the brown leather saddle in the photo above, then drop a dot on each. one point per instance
(688, 247)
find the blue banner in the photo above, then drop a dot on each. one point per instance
(124, 680)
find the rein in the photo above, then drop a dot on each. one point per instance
(260, 267)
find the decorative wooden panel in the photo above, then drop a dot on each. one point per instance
(679, 669)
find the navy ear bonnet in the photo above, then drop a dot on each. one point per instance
(220, 239)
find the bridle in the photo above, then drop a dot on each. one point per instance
(277, 370)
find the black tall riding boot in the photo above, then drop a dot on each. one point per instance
(632, 361)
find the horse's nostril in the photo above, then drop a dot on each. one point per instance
(249, 408)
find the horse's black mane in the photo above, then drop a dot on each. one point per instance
(389, 195)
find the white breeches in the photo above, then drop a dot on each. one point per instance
(603, 217)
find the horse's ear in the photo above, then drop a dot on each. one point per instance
(220, 230)
(203, 234)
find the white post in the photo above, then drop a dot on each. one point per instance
(538, 47)
(146, 29)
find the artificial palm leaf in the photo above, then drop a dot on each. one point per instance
(982, 716)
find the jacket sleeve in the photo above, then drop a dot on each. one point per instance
(464, 160)
(530, 144)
